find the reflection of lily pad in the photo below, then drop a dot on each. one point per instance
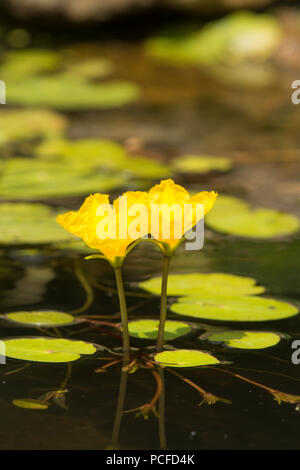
(30, 404)
(46, 349)
(216, 284)
(239, 37)
(185, 358)
(231, 215)
(200, 164)
(243, 309)
(62, 91)
(25, 178)
(24, 124)
(40, 318)
(29, 224)
(148, 329)
(245, 339)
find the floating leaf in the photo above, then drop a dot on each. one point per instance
(185, 358)
(24, 124)
(46, 349)
(233, 216)
(216, 284)
(65, 92)
(25, 178)
(29, 224)
(200, 164)
(40, 318)
(30, 404)
(19, 65)
(242, 339)
(240, 309)
(101, 155)
(148, 329)
(239, 37)
(91, 68)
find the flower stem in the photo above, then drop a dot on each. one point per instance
(163, 303)
(123, 310)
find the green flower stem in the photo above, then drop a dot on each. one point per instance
(163, 303)
(123, 310)
(119, 410)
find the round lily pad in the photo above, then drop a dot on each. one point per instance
(185, 358)
(200, 164)
(101, 155)
(238, 309)
(148, 329)
(30, 404)
(242, 339)
(27, 124)
(18, 65)
(233, 216)
(239, 37)
(41, 349)
(47, 318)
(25, 178)
(216, 284)
(70, 92)
(29, 224)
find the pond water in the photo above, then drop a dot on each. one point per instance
(182, 111)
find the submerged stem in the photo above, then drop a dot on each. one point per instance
(123, 310)
(119, 410)
(163, 303)
(87, 289)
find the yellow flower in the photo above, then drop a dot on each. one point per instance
(104, 227)
(178, 211)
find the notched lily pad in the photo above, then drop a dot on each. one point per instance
(41, 349)
(215, 284)
(27, 124)
(238, 309)
(25, 178)
(191, 164)
(23, 223)
(242, 339)
(185, 358)
(234, 216)
(148, 329)
(47, 318)
(30, 404)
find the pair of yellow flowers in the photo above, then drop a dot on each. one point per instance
(85, 221)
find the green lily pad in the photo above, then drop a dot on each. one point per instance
(148, 329)
(18, 65)
(185, 358)
(242, 339)
(216, 284)
(30, 224)
(30, 404)
(65, 92)
(46, 349)
(101, 155)
(25, 178)
(84, 153)
(47, 318)
(239, 37)
(238, 309)
(233, 216)
(200, 164)
(24, 124)
(91, 68)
